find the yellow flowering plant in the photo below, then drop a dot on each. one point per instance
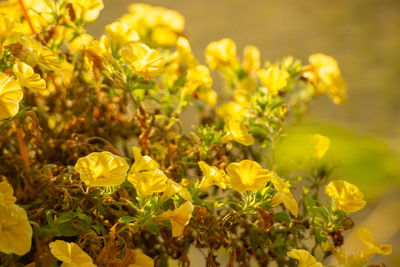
(98, 166)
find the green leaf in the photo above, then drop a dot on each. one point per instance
(127, 219)
(283, 216)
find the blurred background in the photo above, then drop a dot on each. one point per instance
(364, 36)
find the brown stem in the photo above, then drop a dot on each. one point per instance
(26, 16)
(22, 146)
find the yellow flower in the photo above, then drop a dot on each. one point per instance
(81, 42)
(346, 196)
(198, 77)
(173, 188)
(70, 254)
(184, 53)
(212, 176)
(372, 247)
(273, 78)
(320, 145)
(208, 95)
(232, 110)
(142, 163)
(329, 79)
(238, 132)
(247, 175)
(7, 27)
(121, 33)
(145, 61)
(15, 230)
(163, 36)
(34, 53)
(10, 96)
(179, 217)
(89, 10)
(6, 194)
(141, 260)
(28, 78)
(283, 195)
(221, 53)
(148, 182)
(251, 59)
(102, 169)
(304, 257)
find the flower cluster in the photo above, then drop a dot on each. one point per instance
(106, 174)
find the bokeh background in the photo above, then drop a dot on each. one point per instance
(364, 36)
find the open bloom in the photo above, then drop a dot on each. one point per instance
(121, 33)
(283, 195)
(6, 194)
(251, 59)
(372, 247)
(346, 196)
(173, 188)
(247, 175)
(142, 163)
(28, 78)
(221, 53)
(149, 182)
(304, 257)
(238, 132)
(102, 169)
(15, 230)
(273, 78)
(325, 74)
(179, 218)
(70, 254)
(89, 10)
(145, 61)
(320, 144)
(212, 176)
(34, 53)
(10, 96)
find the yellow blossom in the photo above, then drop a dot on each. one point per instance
(198, 77)
(81, 42)
(89, 10)
(15, 230)
(251, 59)
(173, 188)
(141, 260)
(329, 79)
(142, 163)
(34, 53)
(212, 176)
(238, 132)
(179, 218)
(241, 97)
(164, 36)
(304, 257)
(6, 194)
(320, 144)
(247, 175)
(232, 110)
(208, 95)
(121, 33)
(372, 247)
(184, 53)
(346, 196)
(70, 254)
(10, 96)
(273, 78)
(7, 27)
(284, 195)
(148, 182)
(28, 78)
(102, 169)
(145, 61)
(221, 53)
